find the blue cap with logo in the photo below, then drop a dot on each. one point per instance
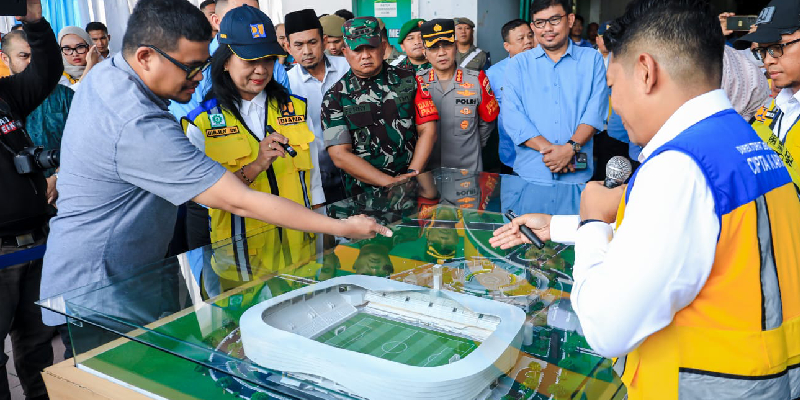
(249, 33)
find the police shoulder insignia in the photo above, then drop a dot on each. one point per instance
(231, 130)
(426, 108)
(459, 76)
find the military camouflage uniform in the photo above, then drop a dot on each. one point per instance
(394, 54)
(377, 117)
(405, 63)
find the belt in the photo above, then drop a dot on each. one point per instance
(24, 239)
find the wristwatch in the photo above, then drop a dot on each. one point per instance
(576, 147)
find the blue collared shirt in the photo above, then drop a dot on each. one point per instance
(506, 148)
(181, 110)
(544, 98)
(583, 43)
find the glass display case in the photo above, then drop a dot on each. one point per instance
(278, 314)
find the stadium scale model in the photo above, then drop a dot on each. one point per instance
(383, 339)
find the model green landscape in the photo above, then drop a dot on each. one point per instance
(396, 341)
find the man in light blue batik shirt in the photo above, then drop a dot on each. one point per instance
(553, 118)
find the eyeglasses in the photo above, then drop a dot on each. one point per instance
(80, 49)
(774, 50)
(554, 21)
(191, 72)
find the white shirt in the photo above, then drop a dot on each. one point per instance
(789, 104)
(660, 257)
(254, 115)
(303, 84)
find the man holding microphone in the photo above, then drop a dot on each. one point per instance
(698, 286)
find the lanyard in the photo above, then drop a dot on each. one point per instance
(779, 123)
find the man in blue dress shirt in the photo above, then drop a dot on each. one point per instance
(223, 6)
(517, 37)
(554, 99)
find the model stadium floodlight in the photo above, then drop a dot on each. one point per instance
(383, 339)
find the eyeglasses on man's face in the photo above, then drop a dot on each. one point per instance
(774, 50)
(553, 21)
(191, 70)
(79, 49)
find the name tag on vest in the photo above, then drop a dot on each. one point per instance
(291, 120)
(231, 130)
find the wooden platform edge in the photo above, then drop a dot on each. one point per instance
(65, 381)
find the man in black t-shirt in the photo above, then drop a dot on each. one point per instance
(23, 211)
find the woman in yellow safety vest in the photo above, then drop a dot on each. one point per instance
(250, 124)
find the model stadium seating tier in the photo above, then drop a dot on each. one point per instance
(383, 339)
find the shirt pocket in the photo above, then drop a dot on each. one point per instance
(464, 118)
(300, 139)
(361, 118)
(231, 151)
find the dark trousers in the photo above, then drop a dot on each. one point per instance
(19, 316)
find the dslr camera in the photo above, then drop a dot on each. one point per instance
(33, 159)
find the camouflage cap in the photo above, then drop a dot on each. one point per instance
(408, 27)
(464, 20)
(362, 31)
(332, 25)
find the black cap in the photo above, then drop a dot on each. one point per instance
(249, 33)
(780, 17)
(438, 30)
(300, 21)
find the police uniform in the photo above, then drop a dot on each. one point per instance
(376, 115)
(233, 144)
(467, 108)
(403, 61)
(474, 59)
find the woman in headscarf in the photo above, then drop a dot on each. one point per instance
(77, 54)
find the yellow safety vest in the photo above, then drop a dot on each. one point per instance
(789, 150)
(743, 328)
(259, 248)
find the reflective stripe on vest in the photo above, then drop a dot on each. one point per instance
(740, 337)
(789, 149)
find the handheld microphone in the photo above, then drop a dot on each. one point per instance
(526, 231)
(286, 146)
(618, 170)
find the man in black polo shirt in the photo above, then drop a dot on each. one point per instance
(23, 211)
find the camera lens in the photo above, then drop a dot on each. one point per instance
(47, 159)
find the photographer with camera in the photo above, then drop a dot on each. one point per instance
(23, 208)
